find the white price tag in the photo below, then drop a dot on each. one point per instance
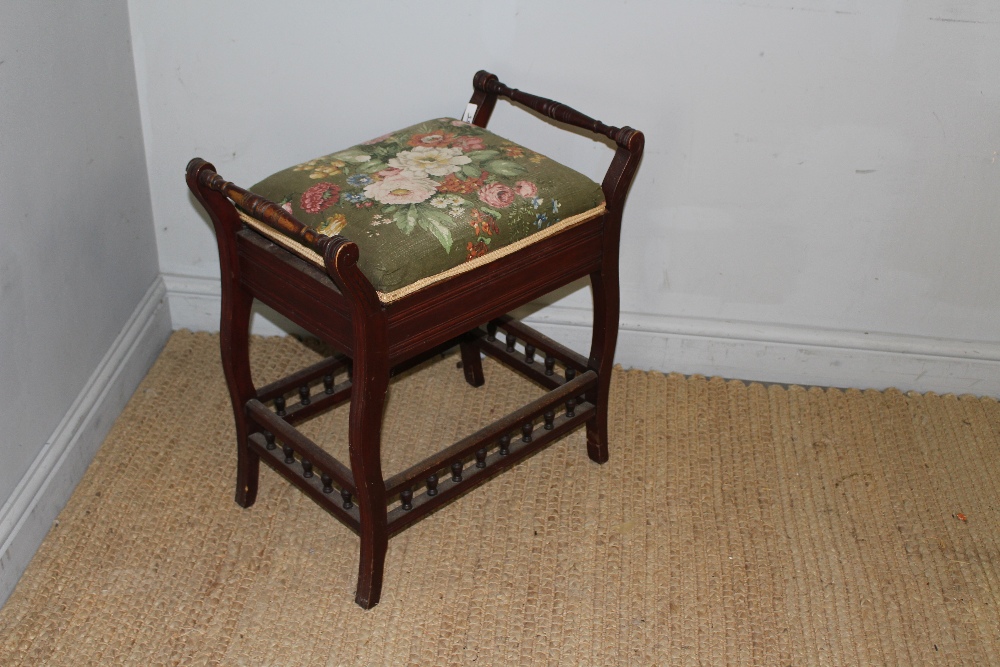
(470, 112)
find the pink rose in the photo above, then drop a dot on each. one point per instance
(469, 143)
(391, 171)
(497, 194)
(319, 197)
(526, 189)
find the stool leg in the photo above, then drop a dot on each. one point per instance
(602, 356)
(234, 339)
(370, 381)
(472, 363)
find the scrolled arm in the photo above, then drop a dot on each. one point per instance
(630, 141)
(490, 86)
(262, 209)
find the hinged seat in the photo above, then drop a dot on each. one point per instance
(392, 251)
(430, 201)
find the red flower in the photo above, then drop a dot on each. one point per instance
(483, 223)
(431, 139)
(319, 197)
(453, 183)
(477, 249)
(469, 143)
(497, 194)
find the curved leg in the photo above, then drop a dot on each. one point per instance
(370, 380)
(602, 356)
(472, 363)
(234, 339)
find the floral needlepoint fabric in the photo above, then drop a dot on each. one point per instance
(426, 199)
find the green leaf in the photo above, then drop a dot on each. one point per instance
(391, 208)
(504, 168)
(404, 220)
(471, 171)
(437, 222)
(479, 156)
(385, 148)
(438, 215)
(352, 155)
(492, 211)
(427, 128)
(372, 166)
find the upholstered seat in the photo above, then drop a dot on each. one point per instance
(429, 201)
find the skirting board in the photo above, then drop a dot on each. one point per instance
(196, 304)
(748, 351)
(788, 355)
(27, 516)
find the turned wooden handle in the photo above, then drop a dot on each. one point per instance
(264, 210)
(491, 85)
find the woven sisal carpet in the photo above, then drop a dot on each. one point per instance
(734, 524)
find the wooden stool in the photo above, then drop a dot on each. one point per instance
(391, 252)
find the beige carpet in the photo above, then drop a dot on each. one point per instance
(734, 524)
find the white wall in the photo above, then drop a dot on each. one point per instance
(819, 198)
(81, 313)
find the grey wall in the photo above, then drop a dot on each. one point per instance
(77, 248)
(818, 201)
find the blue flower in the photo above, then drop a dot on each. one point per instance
(540, 219)
(555, 206)
(536, 201)
(355, 197)
(359, 180)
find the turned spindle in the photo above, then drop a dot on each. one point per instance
(549, 418)
(327, 483)
(346, 496)
(406, 496)
(269, 440)
(491, 331)
(511, 339)
(328, 384)
(289, 453)
(529, 354)
(526, 431)
(570, 374)
(550, 364)
(504, 445)
(481, 457)
(304, 394)
(456, 471)
(432, 485)
(571, 407)
(307, 469)
(279, 406)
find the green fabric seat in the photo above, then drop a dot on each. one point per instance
(430, 201)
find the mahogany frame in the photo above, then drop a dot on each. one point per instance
(341, 307)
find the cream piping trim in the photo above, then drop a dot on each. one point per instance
(389, 297)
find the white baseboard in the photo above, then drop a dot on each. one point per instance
(786, 354)
(196, 304)
(743, 350)
(28, 514)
